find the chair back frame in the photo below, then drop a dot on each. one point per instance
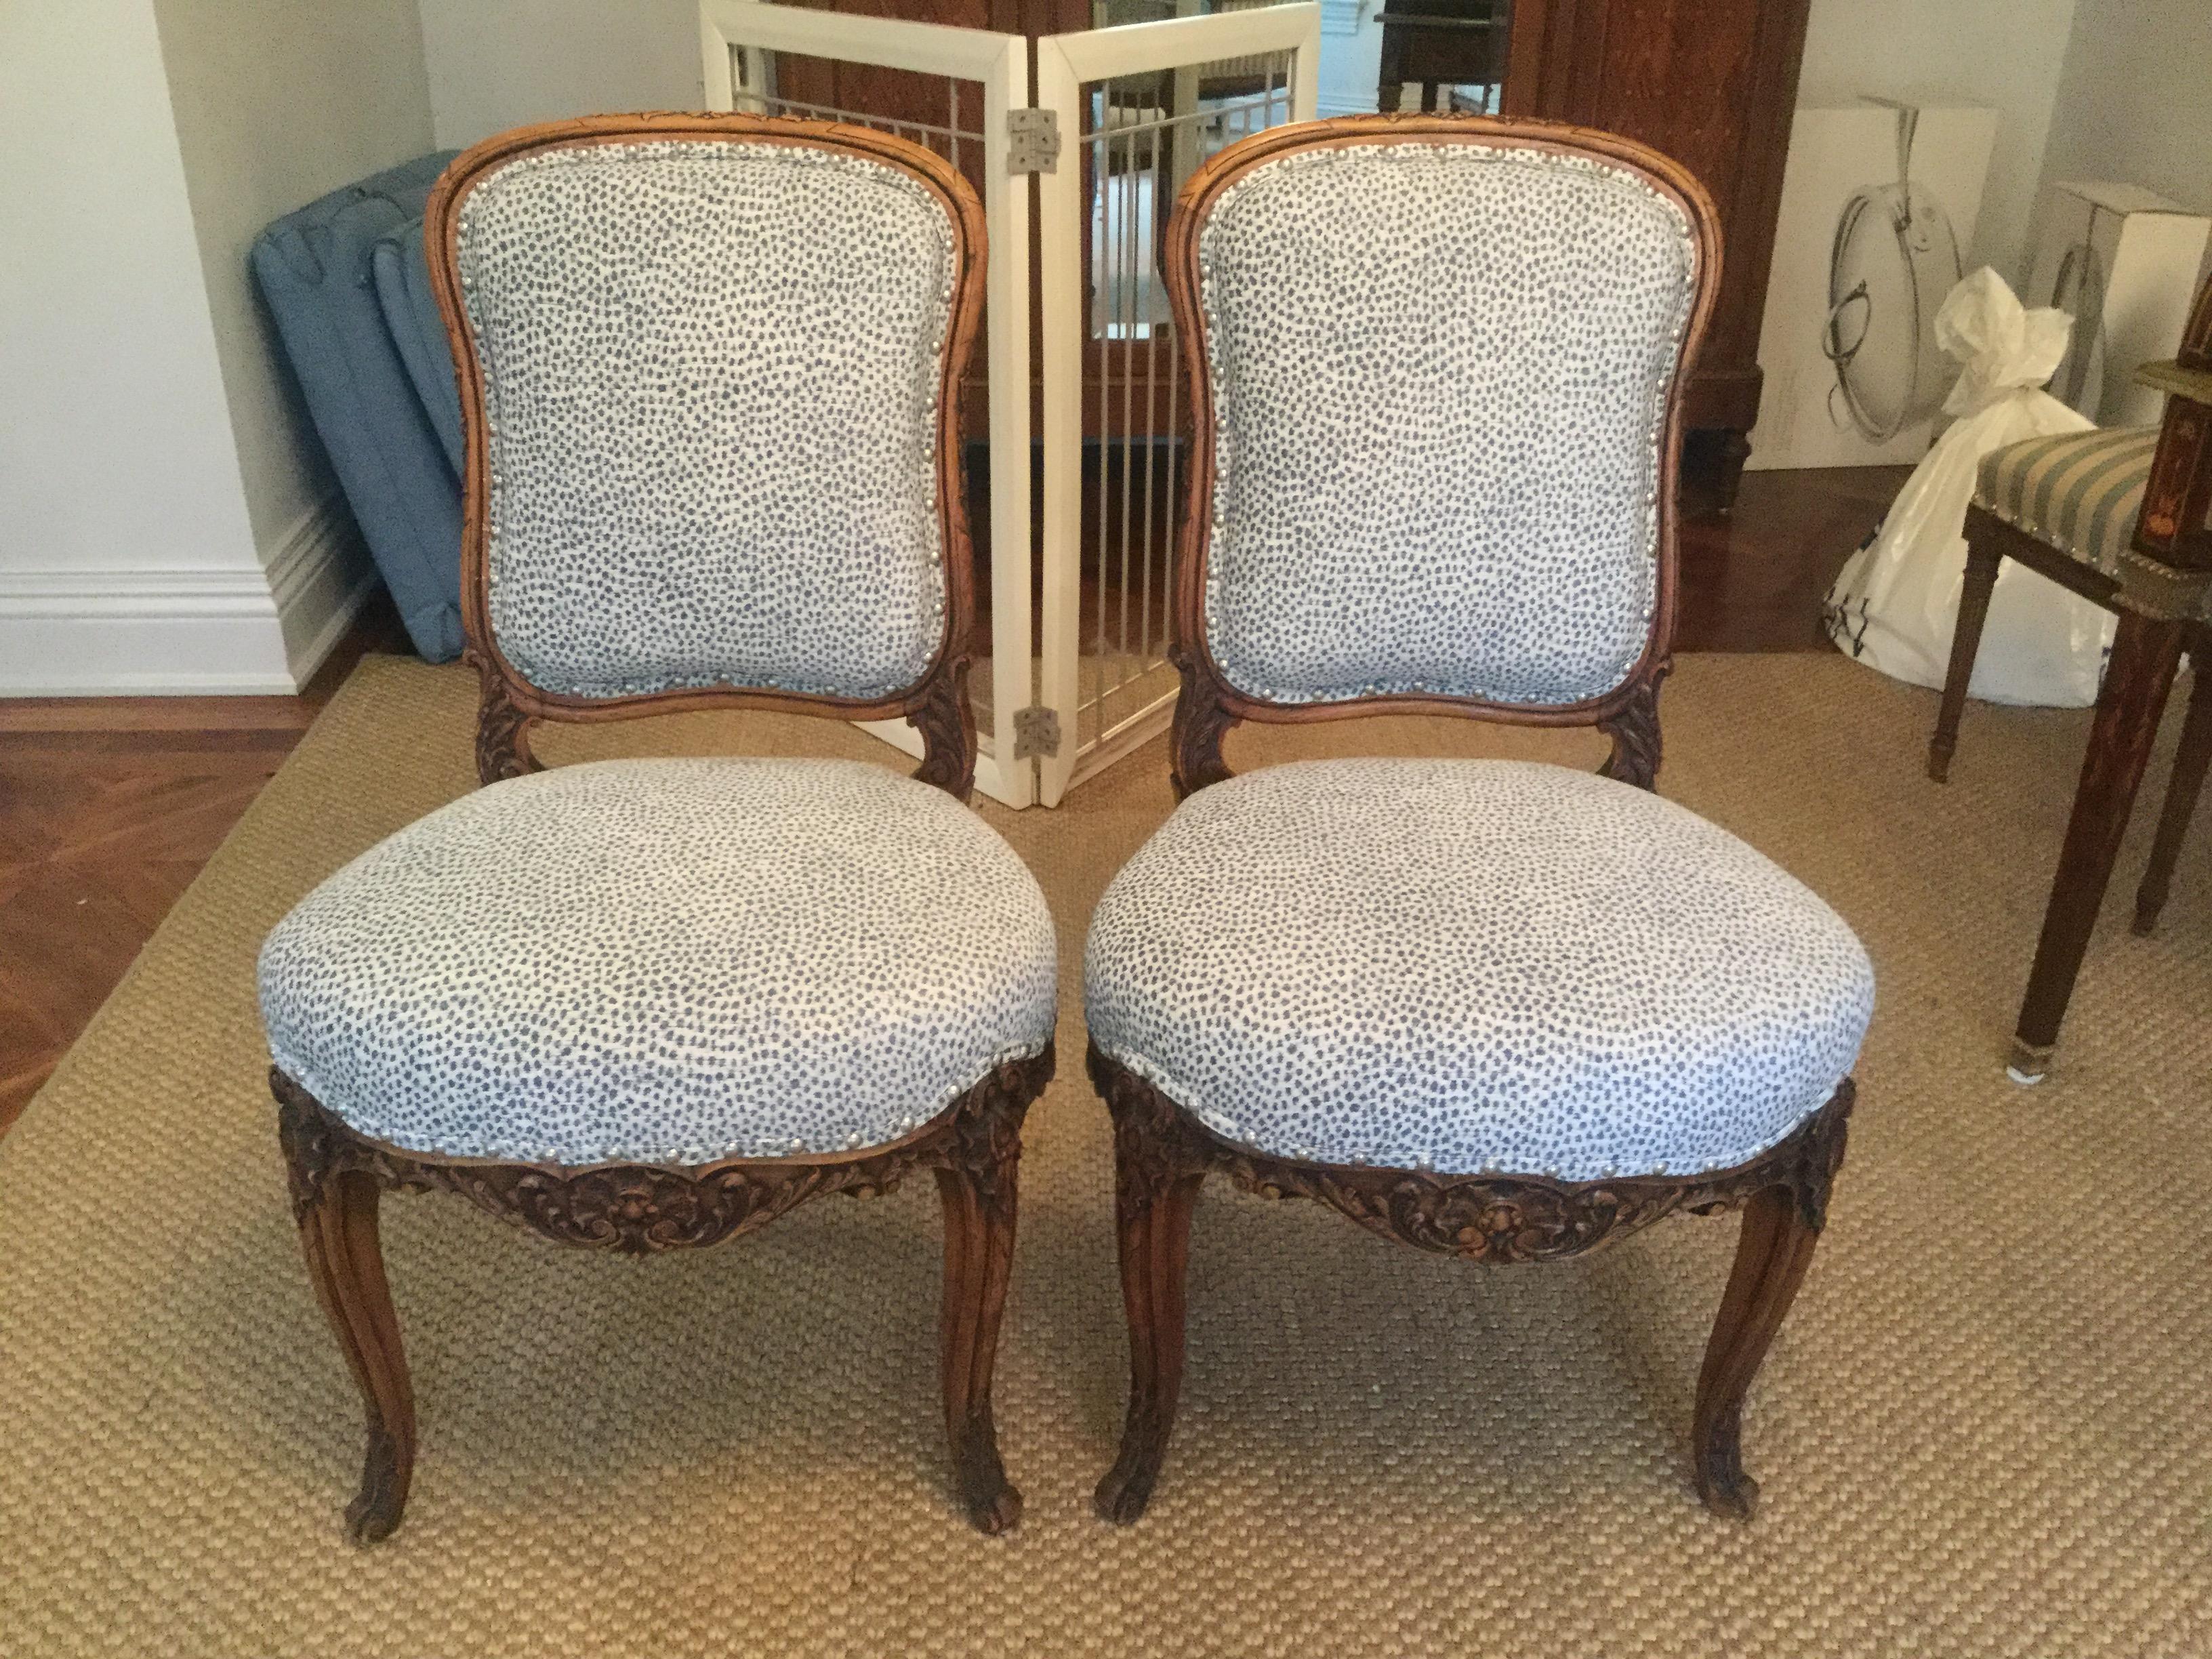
(937, 703)
(1209, 706)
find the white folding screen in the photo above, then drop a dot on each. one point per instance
(1143, 104)
(1140, 107)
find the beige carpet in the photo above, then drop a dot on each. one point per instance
(1986, 1430)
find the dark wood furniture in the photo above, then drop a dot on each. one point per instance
(971, 1146)
(1713, 84)
(2164, 598)
(1162, 1154)
(1438, 44)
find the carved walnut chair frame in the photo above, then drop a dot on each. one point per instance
(1162, 1154)
(971, 1146)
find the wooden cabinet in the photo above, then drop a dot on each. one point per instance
(1712, 84)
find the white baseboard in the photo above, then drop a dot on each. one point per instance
(318, 579)
(207, 631)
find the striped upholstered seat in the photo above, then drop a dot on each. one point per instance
(2079, 492)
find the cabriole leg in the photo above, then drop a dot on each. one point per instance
(339, 1232)
(1771, 1254)
(1154, 1222)
(979, 1253)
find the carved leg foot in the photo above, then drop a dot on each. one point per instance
(1155, 1229)
(339, 1232)
(2029, 1063)
(1771, 1256)
(979, 1251)
(386, 1471)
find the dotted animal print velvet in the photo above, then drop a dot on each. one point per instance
(711, 374)
(665, 961)
(1472, 966)
(1440, 378)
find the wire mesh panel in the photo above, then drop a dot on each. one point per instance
(757, 78)
(949, 91)
(1146, 104)
(956, 135)
(1143, 136)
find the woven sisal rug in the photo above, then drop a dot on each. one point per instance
(1983, 1432)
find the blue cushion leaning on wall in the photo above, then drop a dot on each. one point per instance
(411, 317)
(314, 268)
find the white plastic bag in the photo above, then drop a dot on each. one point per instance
(1895, 603)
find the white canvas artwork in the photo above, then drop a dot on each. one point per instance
(1879, 205)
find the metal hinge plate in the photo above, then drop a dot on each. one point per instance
(1032, 140)
(1036, 731)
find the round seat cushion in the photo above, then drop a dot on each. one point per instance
(665, 961)
(1473, 966)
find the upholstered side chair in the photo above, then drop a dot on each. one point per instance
(709, 369)
(1502, 1011)
(2118, 517)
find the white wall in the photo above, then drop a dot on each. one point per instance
(120, 495)
(114, 449)
(277, 102)
(2005, 53)
(2134, 102)
(167, 522)
(500, 64)
(1351, 55)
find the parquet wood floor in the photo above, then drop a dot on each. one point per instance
(109, 806)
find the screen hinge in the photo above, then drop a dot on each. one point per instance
(1032, 140)
(1036, 731)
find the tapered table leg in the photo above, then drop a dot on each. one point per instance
(2145, 654)
(2190, 763)
(1982, 562)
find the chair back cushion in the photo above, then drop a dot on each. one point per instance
(711, 374)
(1441, 379)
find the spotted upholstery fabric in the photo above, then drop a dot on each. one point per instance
(1473, 966)
(2079, 492)
(711, 374)
(665, 961)
(1440, 377)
